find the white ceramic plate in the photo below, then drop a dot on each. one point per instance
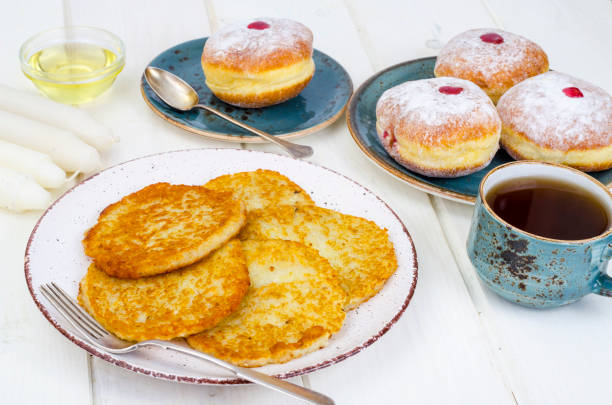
(55, 253)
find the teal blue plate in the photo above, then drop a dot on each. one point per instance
(322, 102)
(361, 120)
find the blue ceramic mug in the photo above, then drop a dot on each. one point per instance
(532, 270)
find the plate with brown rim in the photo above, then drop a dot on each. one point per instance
(361, 120)
(54, 253)
(320, 104)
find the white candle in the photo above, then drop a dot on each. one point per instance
(19, 192)
(32, 163)
(59, 115)
(64, 148)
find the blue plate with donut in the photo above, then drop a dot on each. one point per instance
(321, 103)
(361, 120)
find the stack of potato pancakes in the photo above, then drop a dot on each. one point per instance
(246, 268)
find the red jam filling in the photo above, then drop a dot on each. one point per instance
(492, 38)
(573, 92)
(390, 137)
(258, 25)
(450, 90)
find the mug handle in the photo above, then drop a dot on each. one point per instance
(603, 284)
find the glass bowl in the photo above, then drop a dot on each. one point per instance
(72, 65)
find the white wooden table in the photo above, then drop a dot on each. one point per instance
(457, 342)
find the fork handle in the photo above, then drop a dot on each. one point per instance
(256, 377)
(283, 386)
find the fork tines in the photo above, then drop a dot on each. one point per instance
(72, 311)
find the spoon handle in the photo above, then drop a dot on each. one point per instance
(295, 150)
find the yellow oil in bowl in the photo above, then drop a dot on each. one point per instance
(70, 71)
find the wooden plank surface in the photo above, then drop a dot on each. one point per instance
(148, 29)
(556, 356)
(36, 361)
(434, 342)
(457, 342)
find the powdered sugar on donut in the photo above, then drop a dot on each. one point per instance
(237, 42)
(539, 110)
(419, 110)
(491, 64)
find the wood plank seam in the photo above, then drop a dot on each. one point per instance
(481, 305)
(365, 43)
(498, 364)
(306, 381)
(68, 21)
(67, 14)
(213, 21)
(496, 20)
(90, 372)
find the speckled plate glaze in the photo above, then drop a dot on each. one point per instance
(55, 253)
(361, 120)
(321, 103)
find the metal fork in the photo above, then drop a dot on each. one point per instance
(102, 339)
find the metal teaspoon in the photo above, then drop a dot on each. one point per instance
(179, 95)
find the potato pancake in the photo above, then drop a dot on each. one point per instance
(162, 227)
(357, 248)
(293, 306)
(170, 305)
(261, 188)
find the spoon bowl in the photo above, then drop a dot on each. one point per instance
(173, 90)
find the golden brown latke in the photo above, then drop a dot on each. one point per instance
(292, 308)
(161, 228)
(166, 306)
(358, 249)
(261, 188)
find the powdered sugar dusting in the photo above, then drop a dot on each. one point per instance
(420, 102)
(540, 110)
(236, 38)
(468, 56)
